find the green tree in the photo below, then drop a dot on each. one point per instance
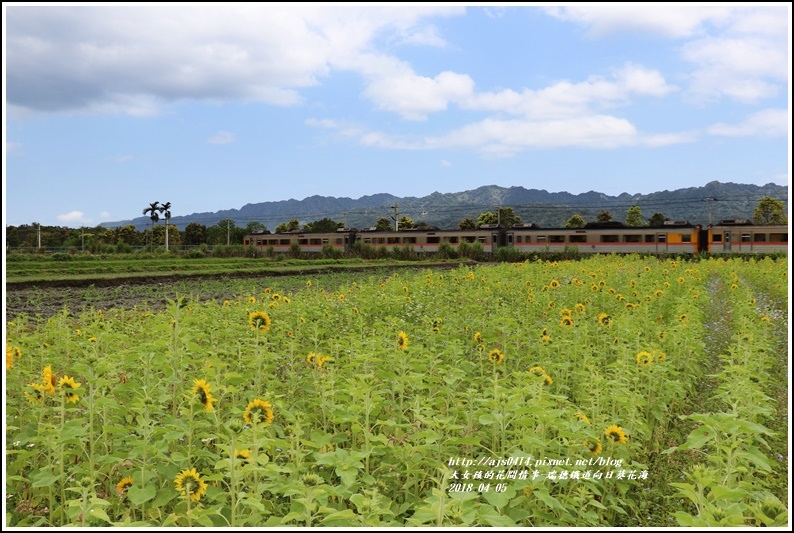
(326, 225)
(604, 216)
(225, 232)
(255, 227)
(576, 221)
(166, 210)
(405, 223)
(384, 224)
(770, 211)
(507, 218)
(129, 235)
(486, 218)
(657, 220)
(195, 234)
(12, 236)
(153, 211)
(634, 217)
(292, 225)
(467, 224)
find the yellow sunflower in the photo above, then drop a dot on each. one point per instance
(122, 485)
(69, 385)
(259, 320)
(48, 380)
(660, 356)
(252, 300)
(478, 337)
(580, 309)
(643, 358)
(616, 433)
(604, 319)
(258, 411)
(682, 318)
(566, 321)
(658, 293)
(242, 454)
(311, 358)
(496, 357)
(341, 297)
(190, 484)
(36, 395)
(402, 340)
(593, 446)
(583, 417)
(202, 389)
(554, 284)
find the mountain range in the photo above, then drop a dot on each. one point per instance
(714, 201)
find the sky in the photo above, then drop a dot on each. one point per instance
(108, 108)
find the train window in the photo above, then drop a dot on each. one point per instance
(759, 237)
(518, 238)
(577, 238)
(745, 237)
(451, 240)
(393, 240)
(609, 238)
(686, 237)
(541, 238)
(482, 239)
(778, 237)
(469, 238)
(556, 238)
(433, 240)
(409, 240)
(632, 238)
(649, 238)
(337, 241)
(284, 241)
(717, 237)
(662, 237)
(366, 240)
(303, 242)
(315, 241)
(245, 242)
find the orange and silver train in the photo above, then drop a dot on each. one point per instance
(674, 237)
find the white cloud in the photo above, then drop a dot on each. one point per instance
(413, 96)
(14, 148)
(745, 69)
(766, 123)
(222, 137)
(567, 99)
(73, 217)
(133, 59)
(104, 215)
(445, 163)
(675, 21)
(737, 52)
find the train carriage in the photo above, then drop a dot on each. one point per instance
(742, 236)
(313, 243)
(428, 239)
(675, 237)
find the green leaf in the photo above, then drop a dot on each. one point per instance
(138, 495)
(340, 518)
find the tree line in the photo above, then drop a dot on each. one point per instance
(768, 211)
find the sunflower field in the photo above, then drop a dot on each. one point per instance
(611, 391)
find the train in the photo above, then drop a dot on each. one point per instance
(673, 238)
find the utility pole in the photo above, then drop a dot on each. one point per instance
(38, 235)
(395, 217)
(709, 200)
(228, 230)
(498, 214)
(82, 238)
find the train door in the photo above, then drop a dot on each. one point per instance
(726, 242)
(661, 242)
(496, 242)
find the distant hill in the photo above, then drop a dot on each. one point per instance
(723, 200)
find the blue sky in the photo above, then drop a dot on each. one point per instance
(110, 108)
